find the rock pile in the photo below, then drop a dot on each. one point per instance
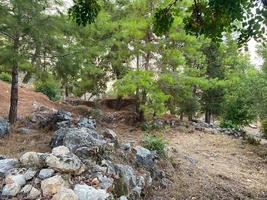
(82, 165)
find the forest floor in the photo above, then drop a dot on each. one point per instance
(200, 165)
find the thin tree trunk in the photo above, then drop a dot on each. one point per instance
(207, 116)
(14, 85)
(182, 116)
(66, 90)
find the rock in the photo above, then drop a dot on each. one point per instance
(18, 179)
(164, 183)
(6, 165)
(52, 185)
(123, 198)
(126, 146)
(32, 159)
(60, 150)
(136, 193)
(86, 123)
(110, 134)
(62, 115)
(75, 139)
(29, 174)
(105, 182)
(85, 192)
(34, 193)
(127, 174)
(11, 189)
(144, 157)
(4, 127)
(46, 173)
(69, 163)
(24, 131)
(65, 194)
(26, 189)
(63, 124)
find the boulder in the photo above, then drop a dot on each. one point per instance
(11, 189)
(123, 198)
(69, 163)
(32, 159)
(46, 173)
(29, 174)
(85, 192)
(144, 157)
(52, 185)
(86, 123)
(6, 165)
(65, 194)
(60, 150)
(34, 193)
(4, 127)
(26, 189)
(126, 172)
(18, 179)
(75, 138)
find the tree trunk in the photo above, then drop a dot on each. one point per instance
(182, 116)
(66, 90)
(14, 95)
(207, 116)
(190, 117)
(14, 85)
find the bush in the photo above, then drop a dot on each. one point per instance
(264, 128)
(155, 143)
(149, 126)
(228, 124)
(50, 88)
(5, 77)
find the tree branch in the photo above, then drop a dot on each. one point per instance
(7, 34)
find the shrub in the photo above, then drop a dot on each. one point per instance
(264, 128)
(5, 77)
(50, 88)
(228, 124)
(155, 143)
(149, 126)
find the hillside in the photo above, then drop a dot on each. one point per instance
(29, 100)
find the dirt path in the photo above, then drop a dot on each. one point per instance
(216, 167)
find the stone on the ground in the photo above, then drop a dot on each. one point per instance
(46, 173)
(52, 185)
(144, 157)
(105, 182)
(65, 194)
(60, 150)
(29, 174)
(85, 192)
(6, 165)
(24, 131)
(4, 127)
(127, 174)
(31, 159)
(18, 179)
(11, 189)
(73, 138)
(62, 115)
(123, 198)
(86, 123)
(26, 189)
(69, 163)
(34, 193)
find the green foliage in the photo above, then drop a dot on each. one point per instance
(5, 77)
(264, 128)
(149, 126)
(84, 11)
(49, 87)
(155, 143)
(228, 124)
(143, 85)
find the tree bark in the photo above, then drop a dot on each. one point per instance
(207, 116)
(14, 84)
